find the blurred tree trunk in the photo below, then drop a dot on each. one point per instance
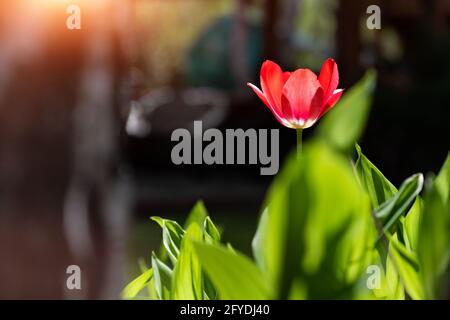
(287, 29)
(239, 43)
(279, 28)
(348, 39)
(271, 38)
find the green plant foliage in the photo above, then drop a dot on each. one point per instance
(135, 286)
(407, 266)
(434, 234)
(443, 181)
(197, 215)
(345, 123)
(211, 233)
(392, 208)
(259, 238)
(396, 216)
(235, 276)
(181, 277)
(315, 239)
(162, 278)
(315, 210)
(172, 234)
(390, 211)
(378, 187)
(187, 280)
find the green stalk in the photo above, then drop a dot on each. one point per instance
(299, 142)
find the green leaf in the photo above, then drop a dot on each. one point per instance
(411, 223)
(187, 278)
(197, 215)
(399, 205)
(280, 254)
(434, 238)
(379, 188)
(135, 286)
(211, 233)
(385, 198)
(235, 276)
(150, 291)
(258, 239)
(162, 276)
(172, 234)
(407, 266)
(316, 209)
(396, 211)
(443, 180)
(344, 124)
(394, 285)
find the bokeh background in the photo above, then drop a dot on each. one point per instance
(86, 117)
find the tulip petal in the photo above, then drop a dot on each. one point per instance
(272, 82)
(286, 75)
(263, 98)
(259, 93)
(331, 101)
(316, 105)
(303, 97)
(329, 77)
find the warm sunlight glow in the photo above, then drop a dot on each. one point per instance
(54, 6)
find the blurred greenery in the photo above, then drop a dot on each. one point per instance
(315, 211)
(345, 123)
(315, 32)
(234, 275)
(209, 58)
(434, 234)
(167, 30)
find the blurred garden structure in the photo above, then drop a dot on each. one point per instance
(86, 115)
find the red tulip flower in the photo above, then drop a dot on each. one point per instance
(298, 99)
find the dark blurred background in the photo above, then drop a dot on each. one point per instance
(86, 118)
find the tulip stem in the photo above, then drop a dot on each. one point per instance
(299, 143)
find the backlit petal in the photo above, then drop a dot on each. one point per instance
(272, 82)
(276, 113)
(329, 77)
(331, 101)
(302, 100)
(259, 93)
(286, 76)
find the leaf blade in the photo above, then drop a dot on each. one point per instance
(234, 275)
(135, 286)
